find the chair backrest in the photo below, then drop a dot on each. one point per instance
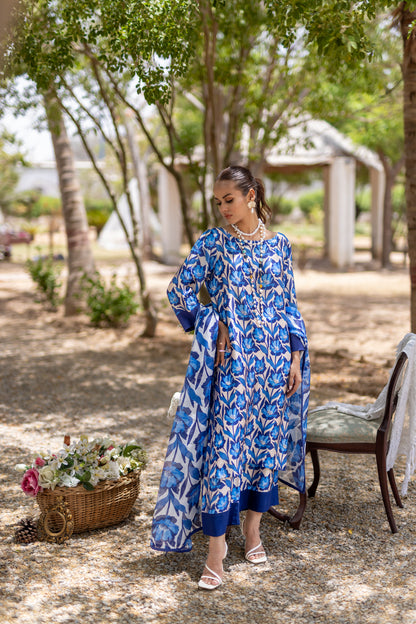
(393, 390)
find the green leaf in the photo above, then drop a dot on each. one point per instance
(69, 462)
(88, 486)
(86, 476)
(129, 448)
(83, 477)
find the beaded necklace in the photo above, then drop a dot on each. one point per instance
(241, 233)
(258, 299)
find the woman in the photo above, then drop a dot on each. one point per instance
(241, 422)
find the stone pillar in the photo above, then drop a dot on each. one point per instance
(341, 208)
(170, 217)
(377, 181)
(326, 177)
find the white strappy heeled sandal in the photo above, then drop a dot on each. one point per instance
(251, 555)
(215, 577)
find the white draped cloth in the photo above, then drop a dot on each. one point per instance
(403, 433)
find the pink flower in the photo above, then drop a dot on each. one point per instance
(39, 461)
(30, 482)
(110, 448)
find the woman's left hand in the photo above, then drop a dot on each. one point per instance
(223, 344)
(295, 376)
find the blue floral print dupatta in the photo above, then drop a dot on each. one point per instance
(297, 405)
(178, 512)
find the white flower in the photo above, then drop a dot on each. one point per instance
(20, 467)
(136, 453)
(124, 464)
(114, 452)
(113, 470)
(55, 464)
(48, 477)
(69, 480)
(83, 446)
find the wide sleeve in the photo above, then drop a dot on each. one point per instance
(295, 322)
(187, 281)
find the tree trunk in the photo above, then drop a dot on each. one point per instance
(80, 258)
(409, 114)
(185, 207)
(387, 212)
(150, 313)
(140, 173)
(145, 204)
(391, 171)
(213, 118)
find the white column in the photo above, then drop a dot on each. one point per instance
(341, 208)
(170, 217)
(326, 177)
(378, 182)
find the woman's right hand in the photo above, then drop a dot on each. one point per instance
(223, 343)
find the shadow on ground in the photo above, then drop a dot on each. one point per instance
(343, 566)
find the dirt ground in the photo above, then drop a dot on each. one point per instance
(59, 375)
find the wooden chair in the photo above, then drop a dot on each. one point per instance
(294, 520)
(333, 430)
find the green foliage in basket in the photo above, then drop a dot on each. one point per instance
(81, 463)
(110, 304)
(46, 275)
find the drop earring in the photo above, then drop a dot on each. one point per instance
(251, 204)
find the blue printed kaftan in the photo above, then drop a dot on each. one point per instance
(253, 435)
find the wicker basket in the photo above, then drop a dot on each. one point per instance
(67, 510)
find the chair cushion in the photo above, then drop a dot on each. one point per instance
(333, 426)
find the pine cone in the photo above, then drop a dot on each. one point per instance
(27, 531)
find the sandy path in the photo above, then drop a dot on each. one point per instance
(60, 376)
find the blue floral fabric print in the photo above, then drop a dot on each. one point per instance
(177, 514)
(255, 435)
